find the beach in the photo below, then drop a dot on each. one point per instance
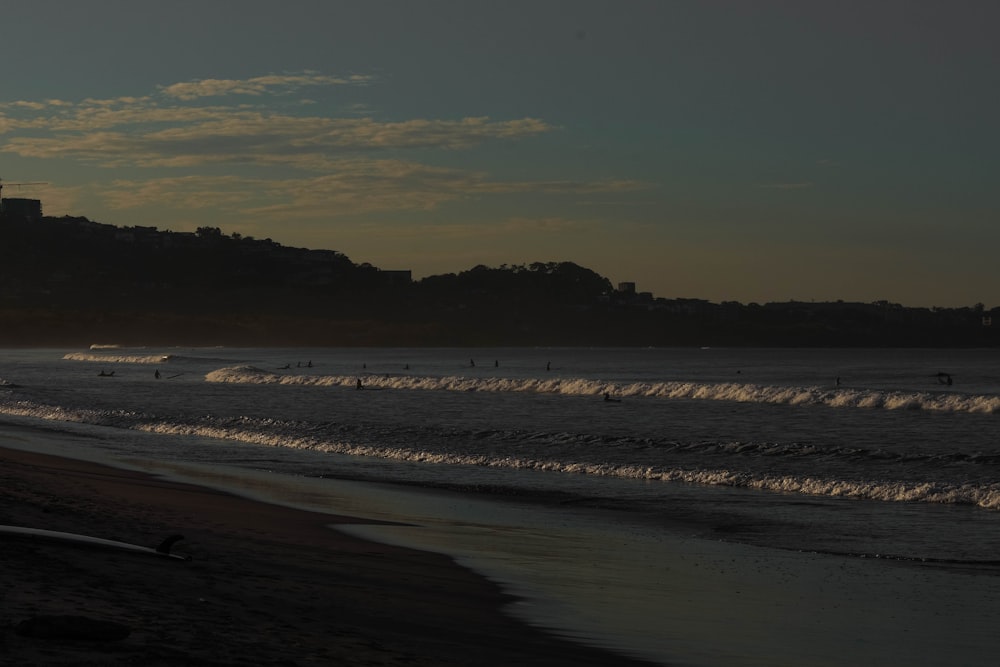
(503, 514)
(265, 584)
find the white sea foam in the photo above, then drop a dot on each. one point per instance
(987, 497)
(737, 392)
(118, 358)
(292, 435)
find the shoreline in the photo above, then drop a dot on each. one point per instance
(267, 584)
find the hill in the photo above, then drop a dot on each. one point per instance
(71, 282)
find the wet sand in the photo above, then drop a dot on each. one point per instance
(266, 585)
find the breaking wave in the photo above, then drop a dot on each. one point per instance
(737, 392)
(119, 358)
(554, 455)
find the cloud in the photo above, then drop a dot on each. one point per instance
(34, 106)
(310, 165)
(422, 133)
(357, 187)
(167, 130)
(159, 131)
(257, 86)
(188, 192)
(353, 187)
(213, 136)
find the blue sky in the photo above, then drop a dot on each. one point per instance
(747, 151)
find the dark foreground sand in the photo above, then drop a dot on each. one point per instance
(266, 585)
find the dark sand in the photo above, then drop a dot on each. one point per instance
(266, 585)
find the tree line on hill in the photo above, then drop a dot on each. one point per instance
(70, 281)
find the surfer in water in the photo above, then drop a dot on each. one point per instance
(608, 399)
(359, 385)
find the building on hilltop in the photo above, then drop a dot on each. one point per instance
(15, 207)
(395, 277)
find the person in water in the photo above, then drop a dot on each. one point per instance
(359, 385)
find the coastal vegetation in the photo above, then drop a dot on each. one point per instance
(69, 281)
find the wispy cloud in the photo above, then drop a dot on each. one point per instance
(204, 136)
(189, 192)
(311, 164)
(352, 187)
(172, 128)
(256, 86)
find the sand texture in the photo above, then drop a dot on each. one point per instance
(266, 585)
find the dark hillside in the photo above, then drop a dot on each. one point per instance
(72, 282)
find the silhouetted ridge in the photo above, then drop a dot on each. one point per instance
(71, 281)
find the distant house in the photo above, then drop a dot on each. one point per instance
(28, 209)
(395, 277)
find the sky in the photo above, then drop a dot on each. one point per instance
(730, 151)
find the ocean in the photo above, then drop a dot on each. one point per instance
(688, 506)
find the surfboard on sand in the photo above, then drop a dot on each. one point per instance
(163, 550)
